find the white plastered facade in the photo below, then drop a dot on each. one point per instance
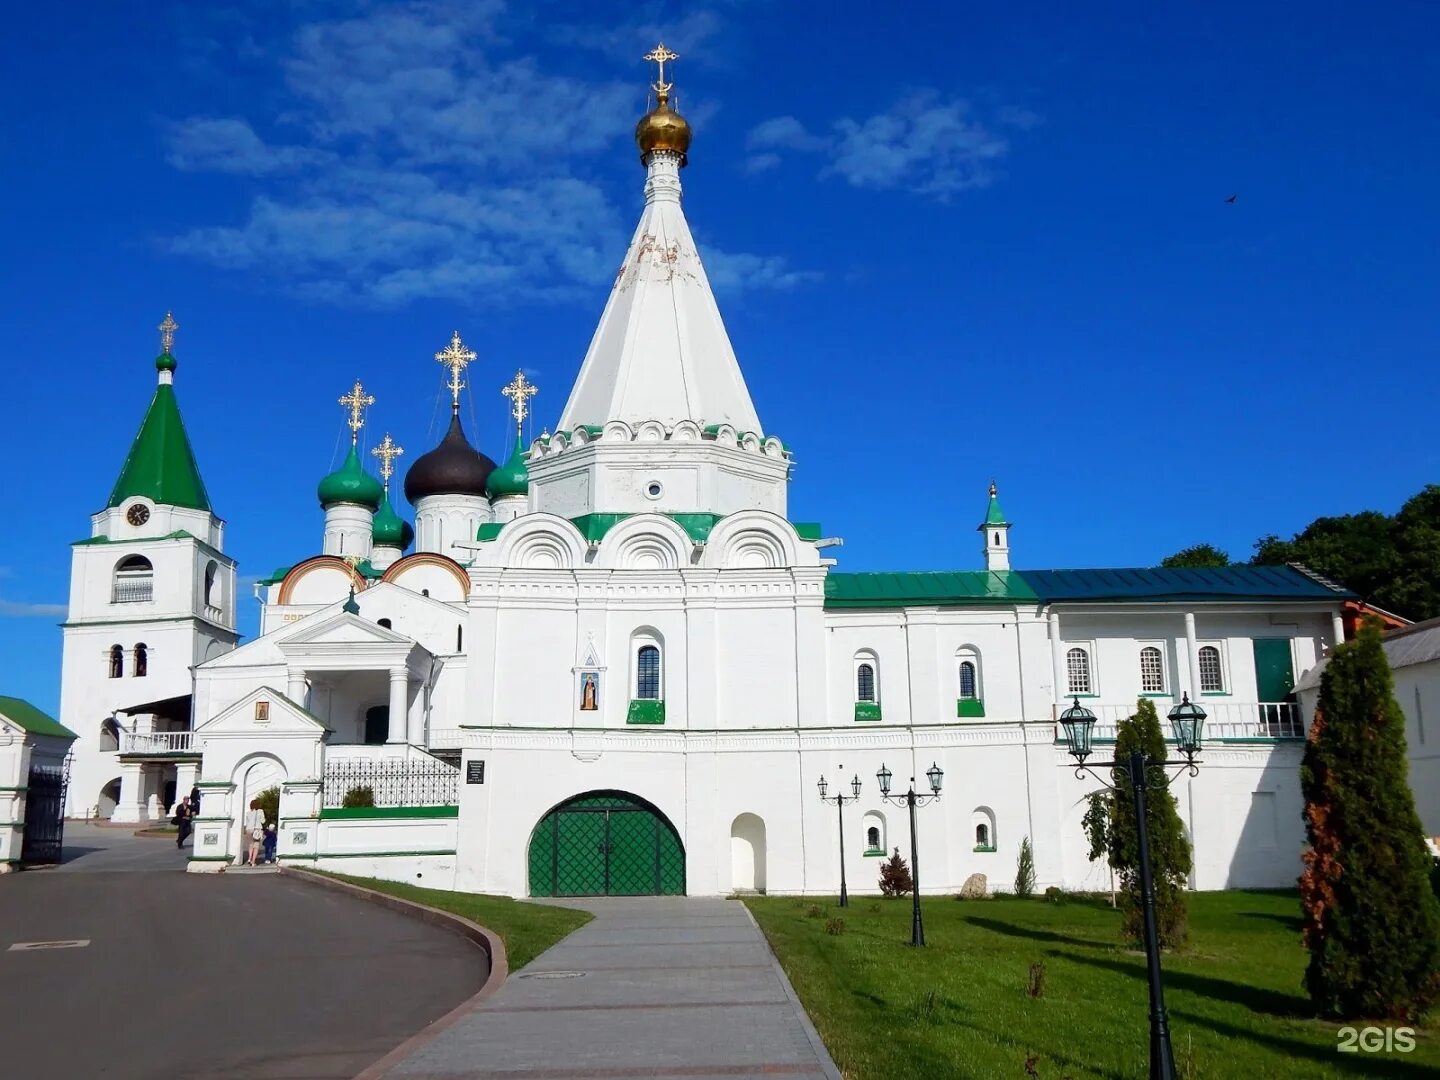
(656, 520)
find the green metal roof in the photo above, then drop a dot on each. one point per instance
(1159, 583)
(161, 466)
(926, 588)
(350, 484)
(594, 526)
(32, 719)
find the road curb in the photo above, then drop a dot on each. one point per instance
(487, 940)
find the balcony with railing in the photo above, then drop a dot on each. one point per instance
(157, 743)
(1224, 721)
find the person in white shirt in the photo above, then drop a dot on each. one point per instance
(254, 831)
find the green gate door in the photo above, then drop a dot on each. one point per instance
(606, 844)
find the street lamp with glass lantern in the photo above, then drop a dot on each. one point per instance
(936, 776)
(1187, 720)
(840, 799)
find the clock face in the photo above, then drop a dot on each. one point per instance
(138, 514)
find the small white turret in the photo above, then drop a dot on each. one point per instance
(997, 534)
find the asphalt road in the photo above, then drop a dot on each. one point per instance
(221, 976)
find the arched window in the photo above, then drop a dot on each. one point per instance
(865, 682)
(117, 661)
(647, 673)
(1077, 668)
(109, 734)
(874, 823)
(142, 661)
(982, 835)
(968, 686)
(1212, 678)
(1152, 671)
(982, 821)
(134, 581)
(383, 622)
(212, 598)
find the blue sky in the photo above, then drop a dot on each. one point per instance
(951, 242)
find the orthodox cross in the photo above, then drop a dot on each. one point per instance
(167, 332)
(387, 452)
(520, 390)
(357, 401)
(455, 356)
(661, 56)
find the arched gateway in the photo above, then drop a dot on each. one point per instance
(606, 843)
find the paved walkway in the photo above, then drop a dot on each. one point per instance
(654, 988)
(92, 848)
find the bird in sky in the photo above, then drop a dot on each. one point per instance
(1232, 198)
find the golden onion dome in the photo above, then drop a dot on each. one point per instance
(663, 129)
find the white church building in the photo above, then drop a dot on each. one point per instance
(612, 664)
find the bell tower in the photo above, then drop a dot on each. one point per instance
(152, 594)
(997, 534)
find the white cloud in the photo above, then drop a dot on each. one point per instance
(427, 161)
(230, 145)
(932, 145)
(23, 610)
(733, 271)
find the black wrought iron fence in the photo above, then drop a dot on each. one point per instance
(387, 782)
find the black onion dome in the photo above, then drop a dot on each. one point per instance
(452, 468)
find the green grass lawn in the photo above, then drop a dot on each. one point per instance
(961, 1008)
(527, 929)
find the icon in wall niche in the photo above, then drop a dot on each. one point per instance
(589, 691)
(262, 712)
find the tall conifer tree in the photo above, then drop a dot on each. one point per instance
(1169, 850)
(1371, 920)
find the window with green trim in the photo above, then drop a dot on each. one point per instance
(1152, 671)
(1212, 675)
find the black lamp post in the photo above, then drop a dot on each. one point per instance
(936, 776)
(840, 799)
(1187, 720)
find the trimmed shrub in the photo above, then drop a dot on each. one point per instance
(1369, 914)
(895, 877)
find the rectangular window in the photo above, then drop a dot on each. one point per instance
(1152, 671)
(1077, 668)
(647, 673)
(1212, 677)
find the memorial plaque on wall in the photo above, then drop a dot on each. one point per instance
(474, 772)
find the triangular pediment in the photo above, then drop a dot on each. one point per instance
(346, 629)
(267, 710)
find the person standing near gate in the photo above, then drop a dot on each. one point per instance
(182, 822)
(255, 830)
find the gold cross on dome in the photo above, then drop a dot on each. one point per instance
(661, 56)
(167, 332)
(387, 452)
(520, 390)
(357, 401)
(455, 356)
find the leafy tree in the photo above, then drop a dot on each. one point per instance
(1370, 918)
(1199, 556)
(895, 877)
(1169, 851)
(270, 804)
(1393, 562)
(1096, 824)
(1025, 870)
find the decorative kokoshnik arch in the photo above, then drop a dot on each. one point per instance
(606, 843)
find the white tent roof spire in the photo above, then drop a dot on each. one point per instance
(661, 351)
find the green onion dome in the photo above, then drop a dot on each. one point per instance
(391, 530)
(512, 478)
(350, 484)
(165, 362)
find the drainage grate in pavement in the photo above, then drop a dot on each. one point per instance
(27, 946)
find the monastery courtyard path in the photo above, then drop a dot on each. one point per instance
(653, 989)
(222, 976)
